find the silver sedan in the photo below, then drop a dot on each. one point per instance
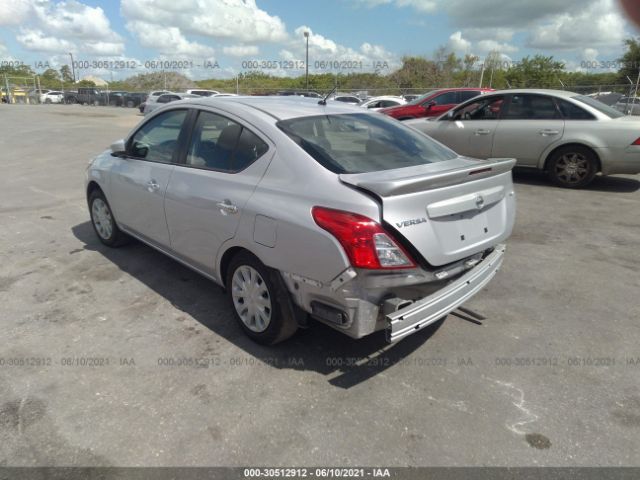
(570, 136)
(166, 98)
(302, 209)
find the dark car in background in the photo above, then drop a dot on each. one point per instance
(434, 103)
(134, 99)
(116, 98)
(86, 96)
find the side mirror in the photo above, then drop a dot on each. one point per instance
(118, 148)
(430, 105)
(449, 115)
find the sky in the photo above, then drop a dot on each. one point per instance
(220, 38)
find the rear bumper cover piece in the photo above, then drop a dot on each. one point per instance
(421, 313)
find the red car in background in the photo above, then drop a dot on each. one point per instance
(434, 103)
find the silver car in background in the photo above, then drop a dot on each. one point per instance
(165, 98)
(628, 105)
(570, 136)
(303, 208)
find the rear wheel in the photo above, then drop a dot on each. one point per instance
(103, 221)
(572, 167)
(48, 100)
(130, 104)
(260, 299)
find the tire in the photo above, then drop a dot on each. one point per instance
(574, 166)
(48, 101)
(130, 104)
(72, 100)
(103, 221)
(268, 316)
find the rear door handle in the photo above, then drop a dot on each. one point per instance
(152, 185)
(226, 207)
(548, 131)
(482, 131)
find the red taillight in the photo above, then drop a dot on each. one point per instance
(364, 240)
(637, 142)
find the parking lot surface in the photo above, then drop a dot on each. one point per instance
(126, 358)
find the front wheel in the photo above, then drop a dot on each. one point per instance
(572, 167)
(260, 299)
(103, 221)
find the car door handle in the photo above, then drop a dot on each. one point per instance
(226, 207)
(482, 131)
(152, 185)
(548, 131)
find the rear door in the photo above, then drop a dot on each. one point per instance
(208, 191)
(530, 123)
(139, 179)
(471, 129)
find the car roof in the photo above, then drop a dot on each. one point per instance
(540, 91)
(280, 108)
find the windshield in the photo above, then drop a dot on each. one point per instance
(360, 142)
(421, 98)
(601, 107)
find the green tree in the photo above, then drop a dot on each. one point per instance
(65, 73)
(50, 78)
(536, 72)
(630, 61)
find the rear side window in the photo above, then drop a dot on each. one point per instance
(220, 144)
(573, 112)
(360, 143)
(531, 107)
(464, 96)
(157, 140)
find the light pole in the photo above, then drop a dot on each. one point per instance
(73, 68)
(306, 63)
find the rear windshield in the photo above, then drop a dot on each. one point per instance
(361, 142)
(598, 105)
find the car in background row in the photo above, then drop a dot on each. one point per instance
(202, 93)
(52, 96)
(608, 98)
(300, 209)
(116, 98)
(376, 103)
(434, 103)
(166, 98)
(628, 105)
(298, 93)
(134, 99)
(346, 99)
(571, 137)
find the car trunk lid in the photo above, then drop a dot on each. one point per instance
(446, 210)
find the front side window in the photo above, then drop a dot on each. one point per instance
(444, 99)
(360, 143)
(157, 140)
(218, 143)
(484, 108)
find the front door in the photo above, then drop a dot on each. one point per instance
(470, 129)
(139, 179)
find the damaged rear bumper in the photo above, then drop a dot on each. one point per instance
(419, 314)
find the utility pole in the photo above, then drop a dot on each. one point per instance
(482, 73)
(237, 85)
(73, 68)
(306, 63)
